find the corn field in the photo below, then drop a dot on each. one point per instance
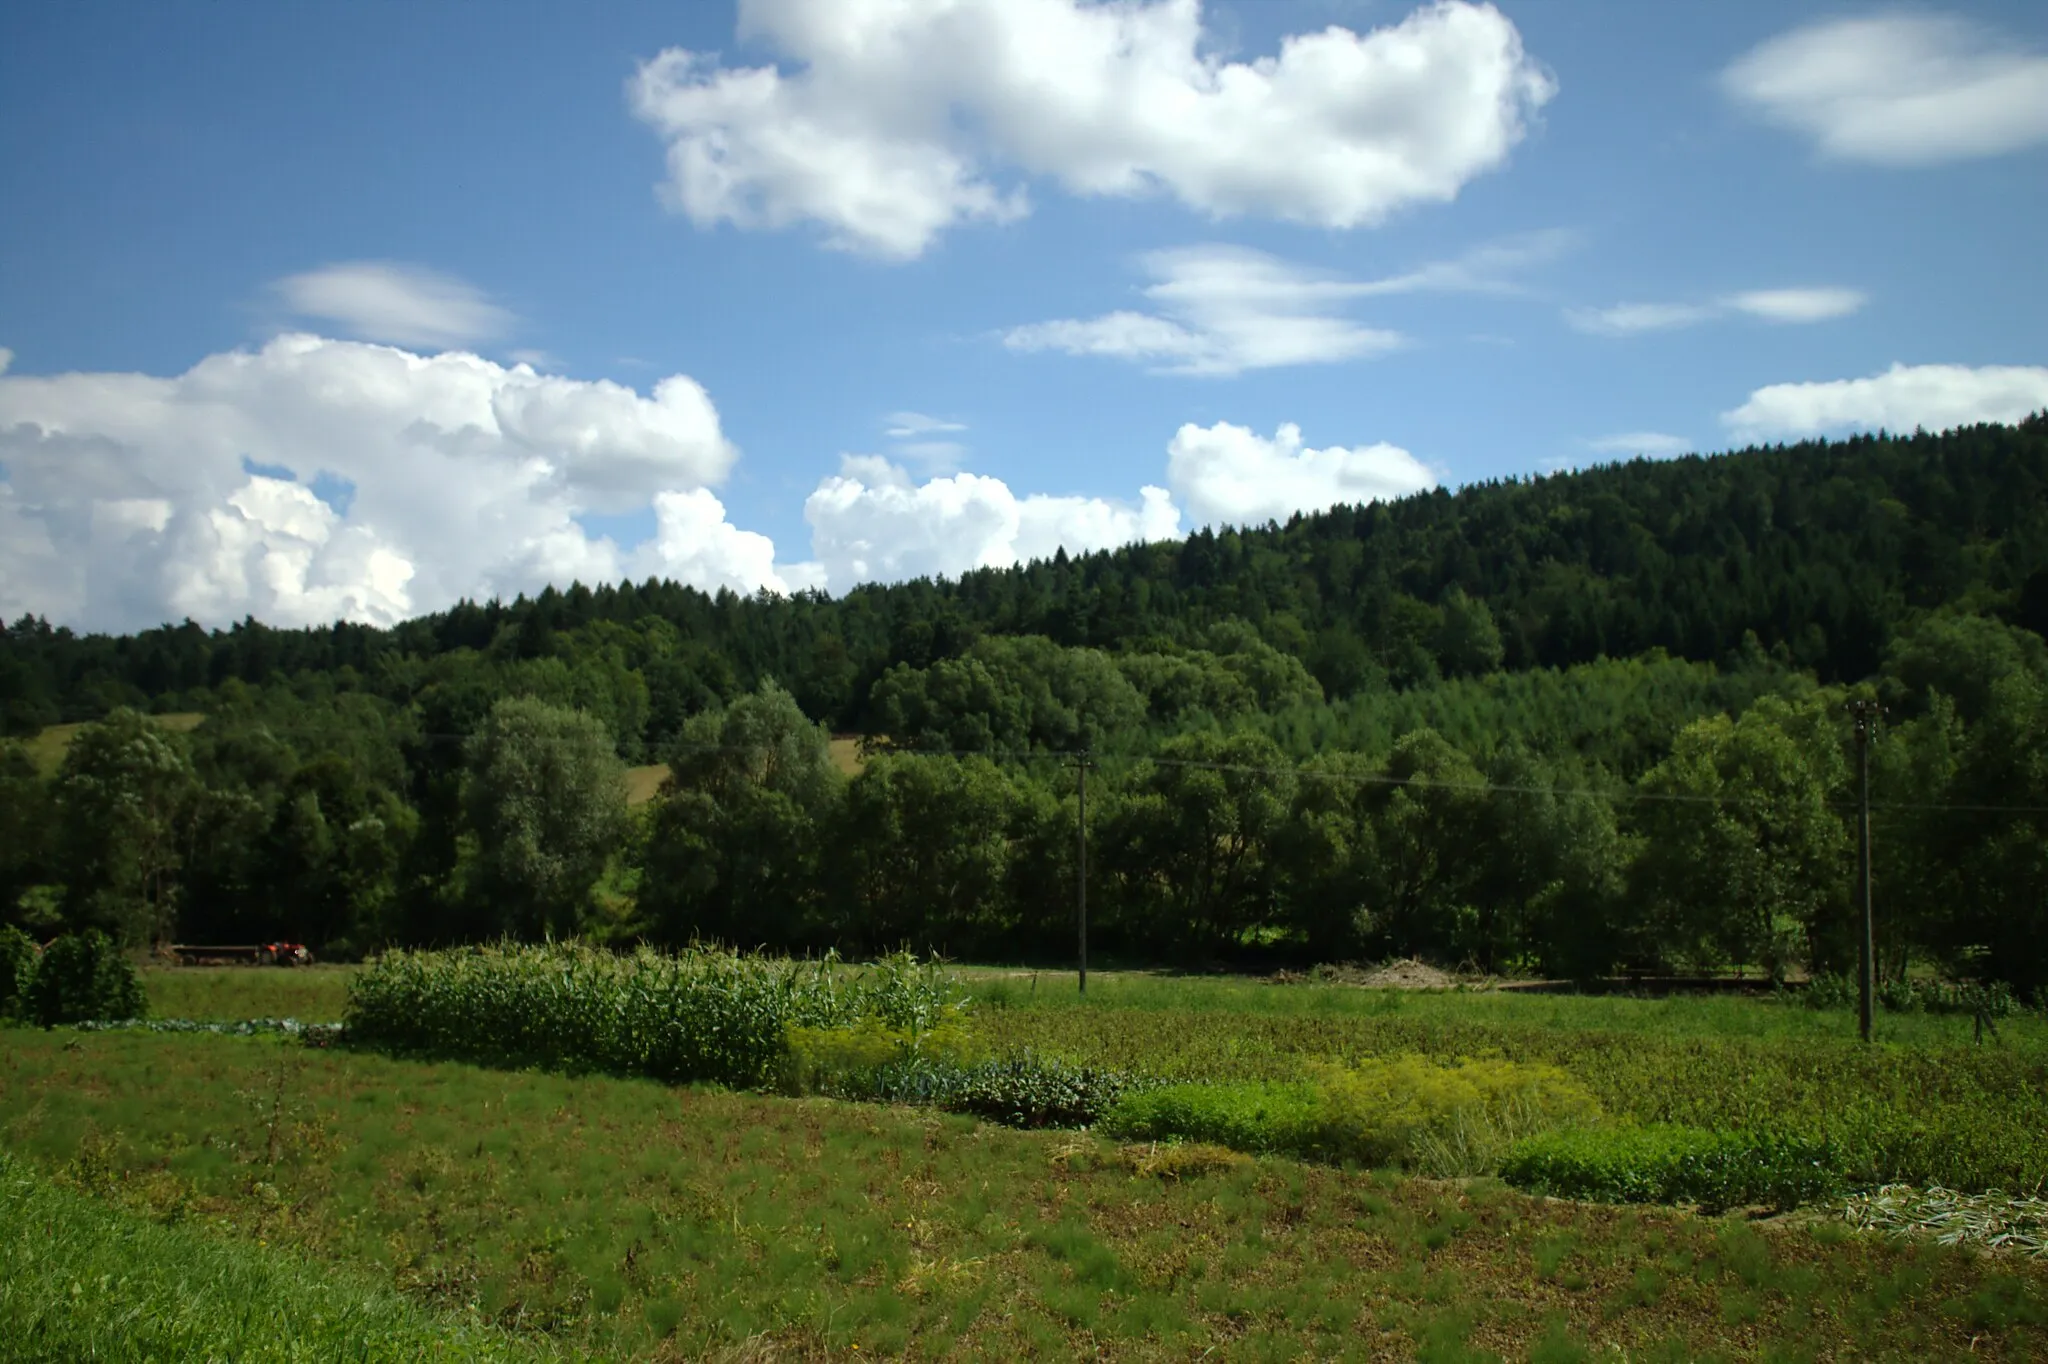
(702, 1014)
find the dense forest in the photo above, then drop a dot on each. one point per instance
(1565, 725)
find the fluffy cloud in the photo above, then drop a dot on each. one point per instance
(1898, 89)
(1231, 473)
(886, 129)
(130, 499)
(872, 523)
(1900, 399)
(1769, 305)
(400, 304)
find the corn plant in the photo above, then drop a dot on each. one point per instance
(698, 1015)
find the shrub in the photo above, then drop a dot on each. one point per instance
(81, 977)
(1443, 1118)
(1448, 1120)
(1030, 1091)
(1248, 1116)
(1666, 1163)
(17, 962)
(1993, 1000)
(1020, 1090)
(699, 1015)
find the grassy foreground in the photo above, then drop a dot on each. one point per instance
(82, 1280)
(638, 1220)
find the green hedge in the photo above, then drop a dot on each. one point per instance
(1666, 1163)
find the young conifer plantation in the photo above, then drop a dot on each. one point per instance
(695, 975)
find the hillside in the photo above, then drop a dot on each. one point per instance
(1821, 549)
(1559, 724)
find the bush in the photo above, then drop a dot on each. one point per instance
(1248, 1116)
(1666, 1163)
(1029, 1091)
(1443, 1118)
(83, 977)
(1448, 1120)
(1993, 1000)
(1021, 1090)
(17, 963)
(700, 1015)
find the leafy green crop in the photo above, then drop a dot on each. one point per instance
(1668, 1163)
(699, 1015)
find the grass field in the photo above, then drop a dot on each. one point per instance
(83, 1280)
(636, 1220)
(48, 746)
(311, 994)
(1924, 1105)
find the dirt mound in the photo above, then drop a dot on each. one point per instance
(1408, 974)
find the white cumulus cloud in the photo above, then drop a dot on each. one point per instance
(404, 305)
(1902, 398)
(891, 121)
(872, 522)
(130, 499)
(1898, 89)
(1232, 473)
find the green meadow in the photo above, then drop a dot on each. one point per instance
(537, 1214)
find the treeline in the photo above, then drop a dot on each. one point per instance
(1822, 550)
(1734, 846)
(1371, 732)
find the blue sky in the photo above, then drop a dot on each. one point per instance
(1019, 286)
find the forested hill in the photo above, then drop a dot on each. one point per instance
(1560, 725)
(1820, 550)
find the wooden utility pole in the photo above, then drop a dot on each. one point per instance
(1081, 767)
(1866, 713)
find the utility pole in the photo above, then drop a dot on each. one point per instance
(1866, 713)
(1081, 766)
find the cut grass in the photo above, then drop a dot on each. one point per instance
(81, 1279)
(639, 1220)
